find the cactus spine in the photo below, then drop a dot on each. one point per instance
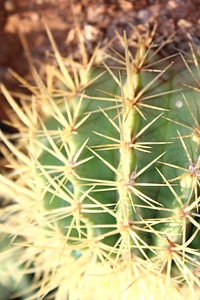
(105, 183)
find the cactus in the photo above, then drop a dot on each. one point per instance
(102, 197)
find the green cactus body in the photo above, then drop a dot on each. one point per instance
(78, 168)
(116, 168)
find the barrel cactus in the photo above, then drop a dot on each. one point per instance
(101, 198)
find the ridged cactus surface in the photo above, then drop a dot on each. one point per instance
(103, 192)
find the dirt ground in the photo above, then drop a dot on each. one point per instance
(98, 21)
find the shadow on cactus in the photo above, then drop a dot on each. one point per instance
(103, 188)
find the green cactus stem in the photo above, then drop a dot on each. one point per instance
(103, 189)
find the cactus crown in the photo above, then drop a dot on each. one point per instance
(102, 197)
